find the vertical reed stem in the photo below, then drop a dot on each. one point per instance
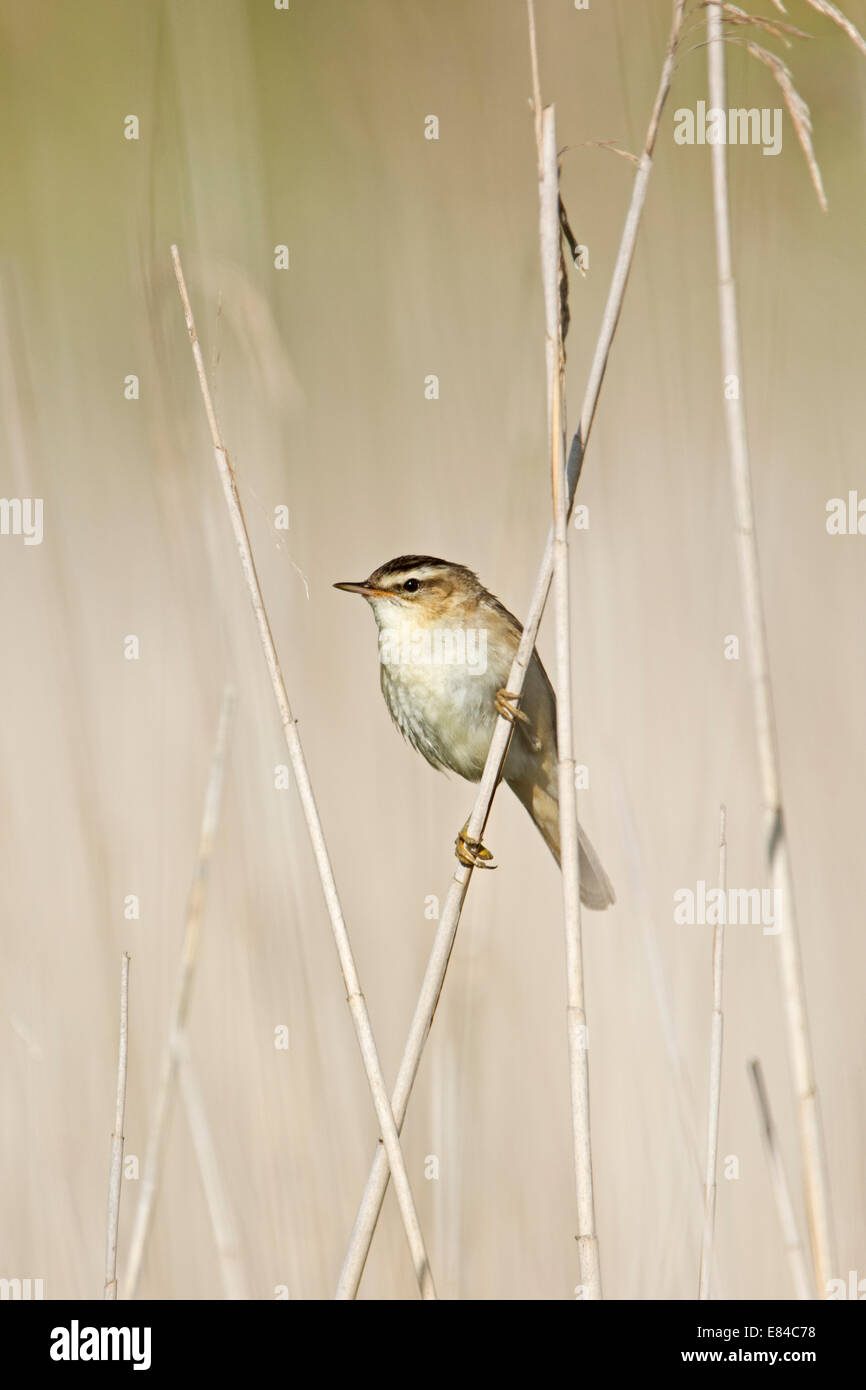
(777, 846)
(715, 1088)
(115, 1179)
(781, 1187)
(218, 1204)
(437, 965)
(578, 1042)
(357, 1003)
(156, 1138)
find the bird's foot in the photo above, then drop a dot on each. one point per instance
(472, 852)
(506, 704)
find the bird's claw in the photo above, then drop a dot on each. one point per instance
(506, 704)
(472, 853)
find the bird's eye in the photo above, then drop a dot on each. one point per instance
(411, 586)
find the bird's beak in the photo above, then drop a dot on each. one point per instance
(366, 590)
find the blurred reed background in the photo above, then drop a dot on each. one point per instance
(411, 257)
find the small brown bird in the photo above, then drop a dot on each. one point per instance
(446, 646)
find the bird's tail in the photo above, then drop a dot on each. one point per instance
(596, 889)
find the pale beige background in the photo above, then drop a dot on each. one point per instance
(408, 258)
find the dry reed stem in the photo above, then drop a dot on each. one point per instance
(578, 1043)
(779, 1182)
(115, 1178)
(715, 1087)
(663, 995)
(219, 1207)
(662, 992)
(437, 965)
(168, 1067)
(778, 851)
(357, 1003)
(536, 85)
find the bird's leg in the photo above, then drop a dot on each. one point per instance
(471, 852)
(506, 705)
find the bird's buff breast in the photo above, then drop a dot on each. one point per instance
(445, 710)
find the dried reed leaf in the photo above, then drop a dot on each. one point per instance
(797, 109)
(833, 12)
(602, 145)
(732, 14)
(615, 149)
